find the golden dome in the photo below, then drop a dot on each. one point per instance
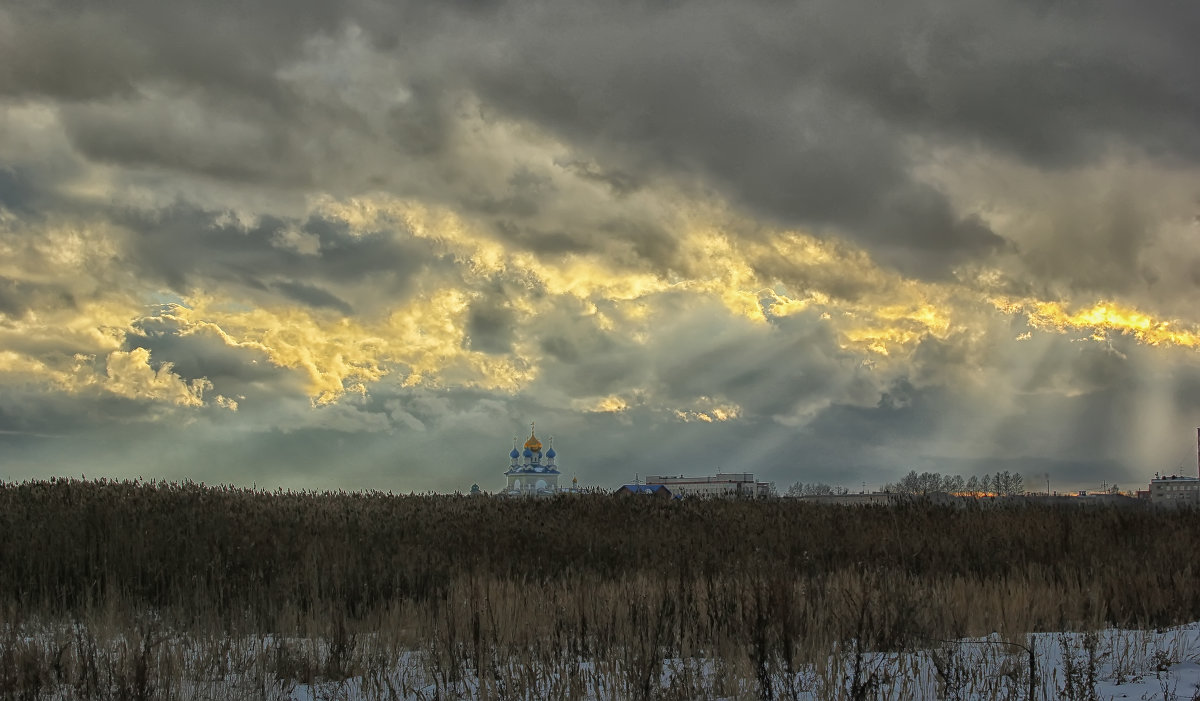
(533, 443)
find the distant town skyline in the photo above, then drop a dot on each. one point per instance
(357, 245)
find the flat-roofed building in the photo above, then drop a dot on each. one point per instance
(1175, 490)
(729, 484)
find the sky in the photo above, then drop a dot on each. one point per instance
(345, 244)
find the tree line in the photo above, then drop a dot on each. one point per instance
(1004, 484)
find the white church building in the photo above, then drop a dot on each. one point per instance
(532, 473)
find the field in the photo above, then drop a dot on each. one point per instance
(144, 590)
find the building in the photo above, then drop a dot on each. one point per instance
(871, 499)
(532, 473)
(653, 490)
(733, 484)
(1175, 490)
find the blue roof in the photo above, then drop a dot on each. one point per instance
(550, 453)
(514, 454)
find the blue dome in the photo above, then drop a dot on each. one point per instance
(514, 454)
(528, 453)
(550, 453)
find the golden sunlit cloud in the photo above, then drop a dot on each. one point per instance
(886, 328)
(58, 347)
(715, 411)
(129, 374)
(1100, 319)
(601, 405)
(18, 368)
(423, 339)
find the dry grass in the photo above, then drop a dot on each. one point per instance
(133, 590)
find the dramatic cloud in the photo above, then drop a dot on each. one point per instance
(351, 244)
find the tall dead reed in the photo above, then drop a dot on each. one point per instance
(559, 597)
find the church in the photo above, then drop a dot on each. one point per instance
(532, 473)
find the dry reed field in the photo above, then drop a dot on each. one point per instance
(161, 590)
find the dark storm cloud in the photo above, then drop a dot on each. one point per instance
(587, 360)
(878, 444)
(663, 103)
(802, 111)
(234, 141)
(633, 244)
(1094, 243)
(75, 50)
(769, 372)
(312, 296)
(202, 353)
(1051, 82)
(787, 372)
(19, 296)
(34, 412)
(935, 359)
(490, 326)
(185, 248)
(17, 190)
(808, 114)
(68, 56)
(799, 112)
(531, 238)
(620, 182)
(420, 125)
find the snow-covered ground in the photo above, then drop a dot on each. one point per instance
(1108, 664)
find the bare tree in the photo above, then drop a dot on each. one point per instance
(813, 489)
